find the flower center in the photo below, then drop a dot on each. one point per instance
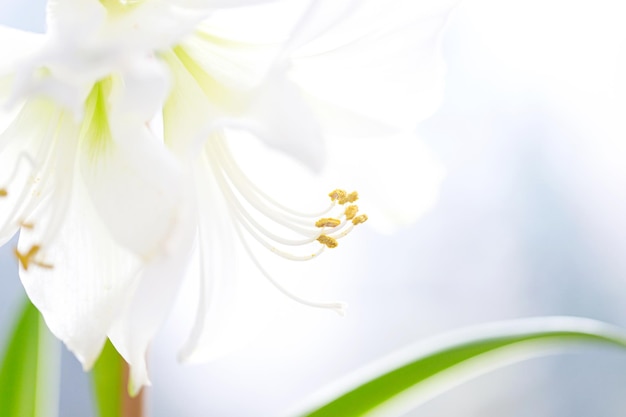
(285, 232)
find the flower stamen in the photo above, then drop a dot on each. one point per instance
(327, 222)
(359, 219)
(26, 259)
(3, 192)
(330, 242)
(351, 211)
(265, 220)
(27, 225)
(348, 198)
(337, 194)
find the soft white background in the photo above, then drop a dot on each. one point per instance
(530, 222)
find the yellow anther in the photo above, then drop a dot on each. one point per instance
(359, 219)
(328, 241)
(27, 225)
(349, 198)
(351, 211)
(3, 192)
(327, 222)
(26, 259)
(337, 194)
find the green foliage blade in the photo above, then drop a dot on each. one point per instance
(107, 376)
(461, 355)
(29, 372)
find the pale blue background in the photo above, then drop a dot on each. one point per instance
(530, 222)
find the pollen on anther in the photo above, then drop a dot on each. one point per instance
(27, 225)
(351, 211)
(349, 198)
(26, 259)
(327, 222)
(3, 192)
(337, 194)
(359, 219)
(328, 241)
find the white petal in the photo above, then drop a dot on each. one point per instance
(135, 183)
(283, 120)
(27, 167)
(15, 46)
(217, 270)
(234, 301)
(73, 20)
(81, 276)
(232, 65)
(269, 23)
(160, 280)
(403, 183)
(389, 71)
(219, 4)
(187, 109)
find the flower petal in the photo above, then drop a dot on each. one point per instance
(383, 64)
(217, 269)
(73, 20)
(160, 280)
(79, 277)
(15, 46)
(27, 165)
(234, 301)
(281, 118)
(187, 109)
(219, 4)
(134, 182)
(403, 186)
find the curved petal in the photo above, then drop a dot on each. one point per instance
(217, 266)
(158, 286)
(27, 166)
(382, 64)
(272, 110)
(72, 270)
(186, 110)
(403, 186)
(220, 4)
(281, 118)
(15, 46)
(230, 64)
(73, 20)
(134, 182)
(233, 299)
(89, 40)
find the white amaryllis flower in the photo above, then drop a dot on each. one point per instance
(110, 201)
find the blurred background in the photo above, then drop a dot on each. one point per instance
(529, 221)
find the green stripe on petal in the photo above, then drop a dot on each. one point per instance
(95, 131)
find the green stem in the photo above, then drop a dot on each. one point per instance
(48, 372)
(110, 379)
(29, 375)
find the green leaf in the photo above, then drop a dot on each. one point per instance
(108, 383)
(411, 377)
(29, 377)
